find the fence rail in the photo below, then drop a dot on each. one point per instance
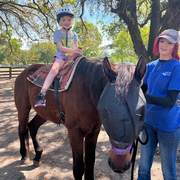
(10, 72)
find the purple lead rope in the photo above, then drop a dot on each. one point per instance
(120, 151)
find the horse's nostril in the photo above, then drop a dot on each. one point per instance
(119, 171)
(109, 162)
(127, 166)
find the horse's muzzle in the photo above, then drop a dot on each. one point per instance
(112, 166)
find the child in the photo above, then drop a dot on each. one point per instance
(66, 44)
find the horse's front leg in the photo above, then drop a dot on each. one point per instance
(76, 142)
(33, 126)
(90, 147)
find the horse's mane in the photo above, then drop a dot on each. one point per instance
(92, 72)
(124, 81)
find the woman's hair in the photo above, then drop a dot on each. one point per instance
(60, 22)
(156, 49)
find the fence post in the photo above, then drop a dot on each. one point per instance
(10, 73)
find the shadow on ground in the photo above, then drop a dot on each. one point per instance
(57, 156)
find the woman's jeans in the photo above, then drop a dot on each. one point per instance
(168, 145)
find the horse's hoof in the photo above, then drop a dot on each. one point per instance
(37, 163)
(25, 161)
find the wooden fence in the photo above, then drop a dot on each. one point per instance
(11, 71)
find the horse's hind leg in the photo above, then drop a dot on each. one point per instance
(33, 126)
(90, 147)
(23, 117)
(21, 99)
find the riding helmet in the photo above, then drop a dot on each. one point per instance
(64, 11)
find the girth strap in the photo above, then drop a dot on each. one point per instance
(61, 113)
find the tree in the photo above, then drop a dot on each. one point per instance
(39, 53)
(135, 14)
(47, 51)
(89, 39)
(30, 19)
(123, 46)
(36, 19)
(6, 55)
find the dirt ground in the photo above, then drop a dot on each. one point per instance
(57, 157)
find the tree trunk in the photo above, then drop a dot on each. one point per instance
(171, 19)
(154, 26)
(159, 22)
(130, 18)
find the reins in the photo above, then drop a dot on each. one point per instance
(134, 148)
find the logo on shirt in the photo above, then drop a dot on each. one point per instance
(166, 73)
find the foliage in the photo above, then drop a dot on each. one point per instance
(36, 20)
(89, 40)
(124, 47)
(6, 55)
(47, 52)
(39, 53)
(134, 15)
(30, 19)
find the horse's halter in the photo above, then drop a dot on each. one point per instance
(120, 151)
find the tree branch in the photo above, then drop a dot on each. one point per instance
(82, 5)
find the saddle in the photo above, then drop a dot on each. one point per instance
(65, 74)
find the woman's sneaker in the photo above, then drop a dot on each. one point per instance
(40, 100)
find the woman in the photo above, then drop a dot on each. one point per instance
(162, 80)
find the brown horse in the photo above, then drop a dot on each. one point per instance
(79, 103)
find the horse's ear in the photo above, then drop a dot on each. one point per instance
(109, 73)
(140, 69)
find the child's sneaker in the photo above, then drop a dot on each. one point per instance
(40, 100)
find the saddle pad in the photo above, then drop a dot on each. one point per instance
(65, 74)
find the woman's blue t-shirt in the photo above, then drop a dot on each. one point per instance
(161, 77)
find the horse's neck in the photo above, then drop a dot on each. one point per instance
(95, 79)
